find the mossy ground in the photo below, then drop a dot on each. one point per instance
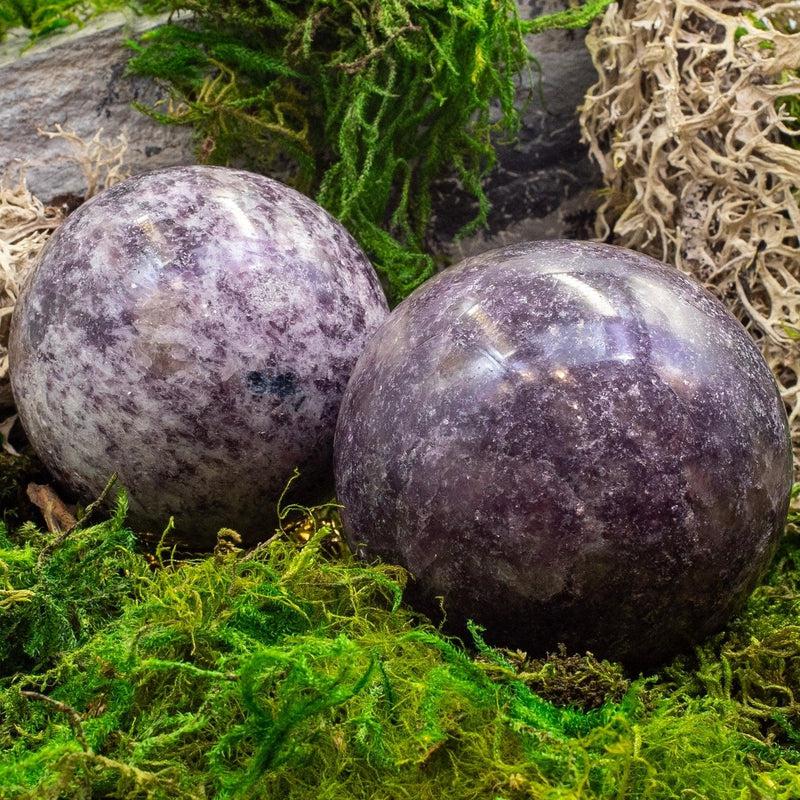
(295, 671)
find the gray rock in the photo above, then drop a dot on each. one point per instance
(77, 80)
(542, 187)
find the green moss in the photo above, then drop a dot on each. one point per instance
(50, 601)
(361, 104)
(43, 17)
(294, 671)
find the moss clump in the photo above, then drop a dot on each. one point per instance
(294, 671)
(55, 597)
(361, 104)
(43, 17)
(569, 679)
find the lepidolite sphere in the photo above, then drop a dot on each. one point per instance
(569, 443)
(193, 329)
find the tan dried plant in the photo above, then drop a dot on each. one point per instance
(26, 223)
(695, 123)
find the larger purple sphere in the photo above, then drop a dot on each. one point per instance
(193, 329)
(569, 443)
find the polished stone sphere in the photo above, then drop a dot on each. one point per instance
(568, 443)
(193, 329)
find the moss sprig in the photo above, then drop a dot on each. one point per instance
(41, 18)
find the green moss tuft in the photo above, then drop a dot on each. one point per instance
(361, 104)
(294, 671)
(43, 17)
(55, 597)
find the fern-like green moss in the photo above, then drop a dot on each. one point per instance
(361, 104)
(294, 671)
(43, 17)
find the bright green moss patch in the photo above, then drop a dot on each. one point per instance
(43, 17)
(293, 671)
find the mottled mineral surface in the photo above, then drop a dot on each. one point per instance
(568, 442)
(193, 329)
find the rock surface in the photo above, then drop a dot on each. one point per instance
(544, 184)
(193, 330)
(569, 442)
(77, 80)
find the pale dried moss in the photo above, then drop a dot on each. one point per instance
(700, 154)
(26, 223)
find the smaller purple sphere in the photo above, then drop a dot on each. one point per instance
(193, 329)
(568, 443)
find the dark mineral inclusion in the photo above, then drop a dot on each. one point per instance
(568, 442)
(193, 329)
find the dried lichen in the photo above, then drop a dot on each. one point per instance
(26, 224)
(694, 123)
(101, 160)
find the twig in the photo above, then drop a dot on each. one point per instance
(75, 719)
(94, 505)
(351, 67)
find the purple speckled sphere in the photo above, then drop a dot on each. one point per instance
(193, 329)
(570, 443)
